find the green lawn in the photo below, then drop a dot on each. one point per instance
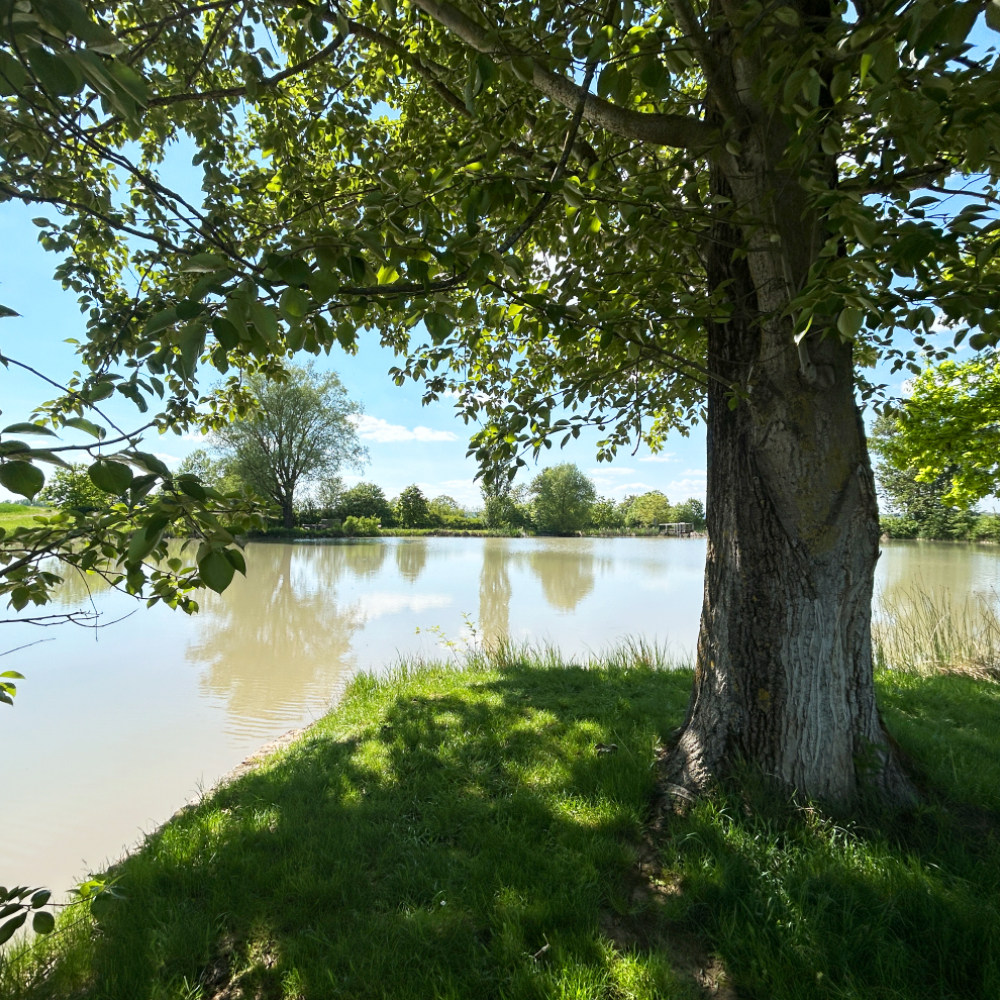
(456, 834)
(17, 515)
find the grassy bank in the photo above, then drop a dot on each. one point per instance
(18, 515)
(470, 833)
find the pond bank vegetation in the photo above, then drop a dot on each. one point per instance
(484, 827)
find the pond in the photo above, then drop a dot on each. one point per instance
(114, 728)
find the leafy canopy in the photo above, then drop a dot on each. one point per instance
(528, 227)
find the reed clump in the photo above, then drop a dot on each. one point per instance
(928, 632)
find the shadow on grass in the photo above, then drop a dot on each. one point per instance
(456, 834)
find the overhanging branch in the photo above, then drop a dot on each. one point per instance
(679, 131)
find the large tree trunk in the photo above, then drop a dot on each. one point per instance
(784, 671)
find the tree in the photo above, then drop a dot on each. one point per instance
(412, 510)
(607, 515)
(915, 506)
(73, 489)
(562, 498)
(299, 432)
(947, 433)
(647, 510)
(691, 511)
(627, 216)
(216, 472)
(365, 500)
(506, 506)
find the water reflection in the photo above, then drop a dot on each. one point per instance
(275, 637)
(494, 590)
(566, 573)
(411, 558)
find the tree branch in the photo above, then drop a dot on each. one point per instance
(680, 131)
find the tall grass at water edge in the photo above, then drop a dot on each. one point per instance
(926, 632)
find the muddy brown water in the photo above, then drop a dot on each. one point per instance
(113, 729)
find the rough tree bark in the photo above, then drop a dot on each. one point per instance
(784, 674)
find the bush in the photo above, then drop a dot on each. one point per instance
(898, 527)
(366, 500)
(987, 528)
(412, 510)
(361, 527)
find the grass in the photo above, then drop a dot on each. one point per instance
(456, 833)
(928, 633)
(19, 515)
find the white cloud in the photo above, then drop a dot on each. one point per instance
(664, 456)
(198, 436)
(626, 488)
(608, 471)
(695, 472)
(170, 460)
(381, 431)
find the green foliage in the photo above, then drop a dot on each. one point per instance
(916, 507)
(215, 472)
(488, 826)
(606, 515)
(562, 498)
(300, 431)
(691, 511)
(948, 430)
(365, 500)
(647, 510)
(506, 508)
(412, 509)
(73, 488)
(362, 527)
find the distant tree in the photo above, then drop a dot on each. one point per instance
(365, 500)
(506, 506)
(216, 472)
(445, 510)
(562, 498)
(948, 430)
(914, 504)
(691, 511)
(607, 515)
(648, 509)
(298, 433)
(73, 489)
(412, 510)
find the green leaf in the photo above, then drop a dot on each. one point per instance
(216, 571)
(191, 343)
(205, 263)
(22, 478)
(141, 485)
(57, 74)
(225, 333)
(82, 424)
(40, 898)
(142, 543)
(18, 677)
(524, 68)
(849, 322)
(294, 303)
(265, 320)
(112, 477)
(7, 930)
(191, 487)
(43, 922)
(993, 14)
(12, 75)
(160, 321)
(130, 82)
(150, 462)
(28, 429)
(236, 558)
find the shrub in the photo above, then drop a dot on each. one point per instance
(361, 527)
